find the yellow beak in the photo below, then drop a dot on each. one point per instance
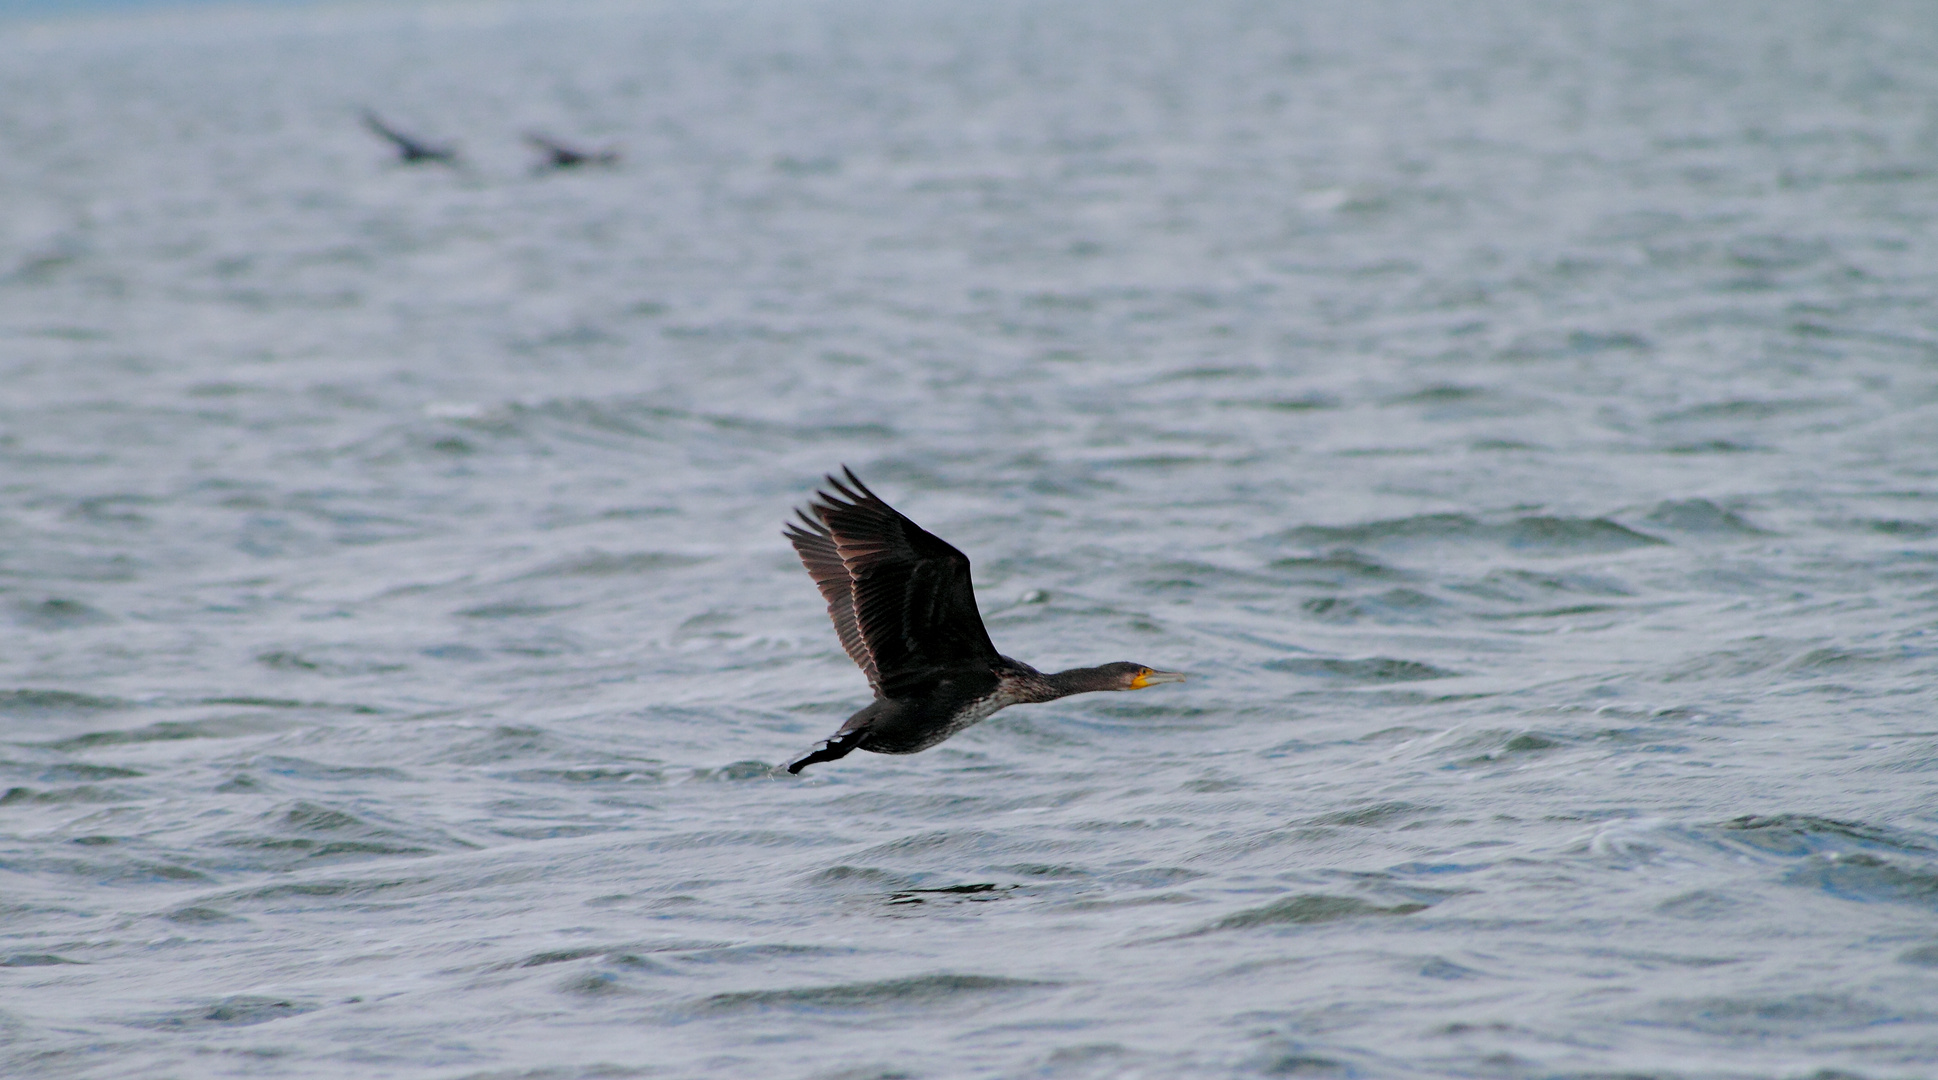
(1152, 678)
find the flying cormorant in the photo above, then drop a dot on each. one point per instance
(905, 611)
(560, 156)
(410, 151)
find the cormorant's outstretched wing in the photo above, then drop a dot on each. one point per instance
(815, 545)
(913, 602)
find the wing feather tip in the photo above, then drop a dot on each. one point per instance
(858, 485)
(818, 528)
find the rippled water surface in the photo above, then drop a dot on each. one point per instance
(1520, 418)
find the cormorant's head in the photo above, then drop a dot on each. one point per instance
(1128, 676)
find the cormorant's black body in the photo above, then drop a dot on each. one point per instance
(410, 151)
(905, 611)
(560, 156)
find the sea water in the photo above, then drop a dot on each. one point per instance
(1520, 419)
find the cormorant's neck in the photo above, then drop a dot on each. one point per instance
(1081, 681)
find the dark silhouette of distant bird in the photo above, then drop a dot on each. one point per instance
(560, 156)
(905, 611)
(410, 151)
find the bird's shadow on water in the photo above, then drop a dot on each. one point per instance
(981, 892)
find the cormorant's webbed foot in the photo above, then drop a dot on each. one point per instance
(838, 747)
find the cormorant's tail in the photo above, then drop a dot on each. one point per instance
(840, 746)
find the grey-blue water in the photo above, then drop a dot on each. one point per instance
(1520, 418)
